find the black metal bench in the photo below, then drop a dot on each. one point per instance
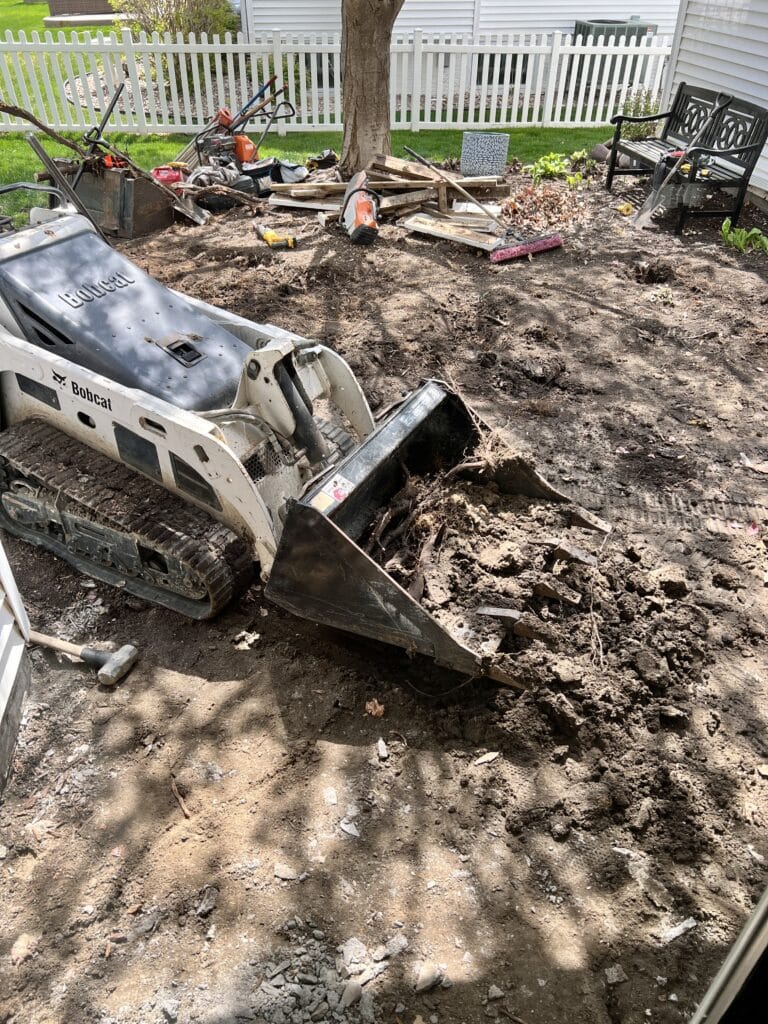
(722, 159)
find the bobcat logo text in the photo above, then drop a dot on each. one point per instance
(95, 290)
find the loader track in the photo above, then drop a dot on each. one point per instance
(115, 525)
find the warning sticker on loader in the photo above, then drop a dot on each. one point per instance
(335, 490)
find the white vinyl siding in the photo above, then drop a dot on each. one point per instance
(460, 16)
(561, 15)
(325, 16)
(724, 46)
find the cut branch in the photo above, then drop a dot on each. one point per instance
(20, 112)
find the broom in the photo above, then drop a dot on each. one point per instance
(511, 245)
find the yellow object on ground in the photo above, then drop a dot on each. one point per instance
(625, 209)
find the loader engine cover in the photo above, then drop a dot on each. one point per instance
(72, 294)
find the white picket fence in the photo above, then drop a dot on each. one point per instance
(176, 84)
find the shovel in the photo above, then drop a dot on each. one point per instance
(655, 198)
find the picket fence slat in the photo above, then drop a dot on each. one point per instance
(176, 83)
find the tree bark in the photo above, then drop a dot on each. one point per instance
(366, 33)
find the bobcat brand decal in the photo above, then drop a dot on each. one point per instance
(92, 290)
(81, 391)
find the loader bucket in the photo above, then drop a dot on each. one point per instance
(321, 573)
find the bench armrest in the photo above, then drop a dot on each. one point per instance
(618, 118)
(696, 151)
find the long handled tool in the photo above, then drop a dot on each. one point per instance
(61, 182)
(225, 121)
(111, 666)
(510, 245)
(93, 137)
(655, 198)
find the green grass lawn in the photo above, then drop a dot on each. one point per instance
(18, 162)
(20, 17)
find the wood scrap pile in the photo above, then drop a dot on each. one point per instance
(405, 189)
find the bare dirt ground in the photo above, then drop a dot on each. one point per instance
(582, 853)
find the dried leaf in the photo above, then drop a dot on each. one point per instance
(487, 758)
(134, 909)
(373, 708)
(24, 947)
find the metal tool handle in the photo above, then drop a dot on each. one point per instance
(454, 184)
(93, 137)
(254, 99)
(61, 182)
(34, 187)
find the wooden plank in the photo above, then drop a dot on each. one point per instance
(298, 188)
(304, 204)
(426, 225)
(406, 199)
(405, 168)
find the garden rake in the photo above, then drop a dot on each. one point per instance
(511, 245)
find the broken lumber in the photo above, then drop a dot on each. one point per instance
(299, 188)
(304, 204)
(446, 229)
(406, 199)
(405, 168)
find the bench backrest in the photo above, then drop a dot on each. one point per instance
(741, 123)
(690, 110)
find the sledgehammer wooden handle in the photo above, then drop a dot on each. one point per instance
(111, 666)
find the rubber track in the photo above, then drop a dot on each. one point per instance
(94, 487)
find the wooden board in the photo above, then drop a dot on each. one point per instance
(304, 204)
(406, 199)
(405, 168)
(426, 225)
(328, 188)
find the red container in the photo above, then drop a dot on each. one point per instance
(167, 175)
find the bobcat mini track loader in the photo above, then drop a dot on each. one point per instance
(173, 449)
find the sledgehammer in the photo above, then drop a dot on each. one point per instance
(111, 666)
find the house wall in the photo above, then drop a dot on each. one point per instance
(465, 16)
(560, 15)
(14, 664)
(325, 15)
(724, 46)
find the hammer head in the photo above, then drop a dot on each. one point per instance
(111, 665)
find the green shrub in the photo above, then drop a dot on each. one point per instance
(641, 103)
(574, 168)
(551, 165)
(215, 17)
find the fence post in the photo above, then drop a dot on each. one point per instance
(554, 66)
(136, 98)
(416, 82)
(277, 69)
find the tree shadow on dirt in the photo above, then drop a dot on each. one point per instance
(573, 850)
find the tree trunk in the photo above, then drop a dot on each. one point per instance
(366, 33)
